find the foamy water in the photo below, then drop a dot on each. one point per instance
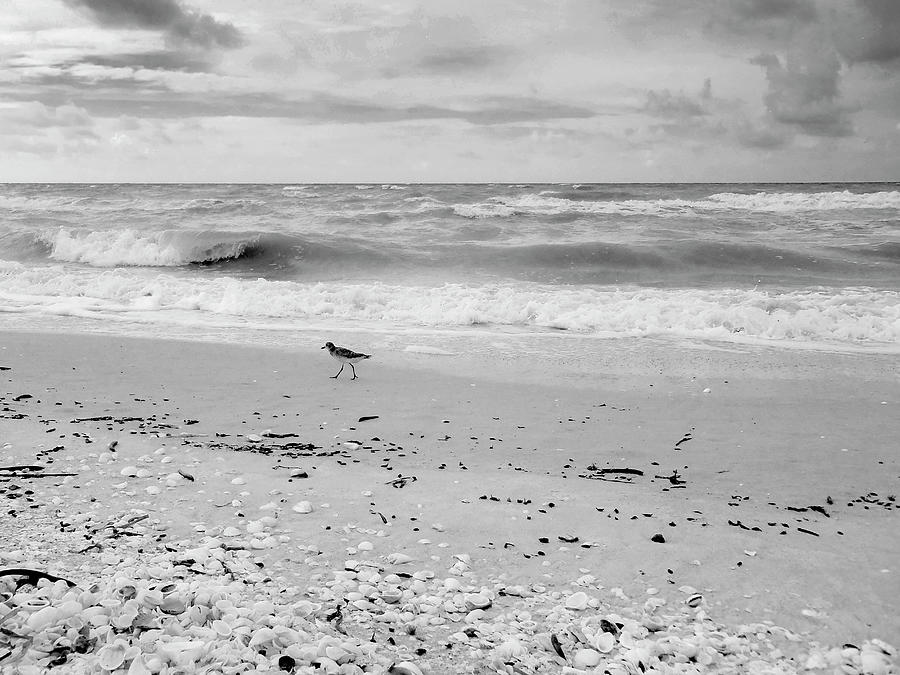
(810, 265)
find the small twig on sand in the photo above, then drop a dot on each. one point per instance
(674, 479)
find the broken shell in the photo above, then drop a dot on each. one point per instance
(511, 649)
(303, 507)
(694, 600)
(405, 668)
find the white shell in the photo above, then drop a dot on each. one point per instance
(586, 658)
(577, 601)
(112, 656)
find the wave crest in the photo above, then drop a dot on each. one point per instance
(167, 248)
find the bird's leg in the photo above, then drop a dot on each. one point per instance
(334, 377)
(354, 372)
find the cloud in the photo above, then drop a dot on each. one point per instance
(677, 106)
(803, 90)
(154, 60)
(870, 32)
(456, 60)
(764, 137)
(181, 25)
(34, 128)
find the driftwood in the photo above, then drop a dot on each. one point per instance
(35, 475)
(33, 576)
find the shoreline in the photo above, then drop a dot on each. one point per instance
(485, 445)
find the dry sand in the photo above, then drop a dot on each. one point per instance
(482, 453)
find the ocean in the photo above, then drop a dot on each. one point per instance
(807, 265)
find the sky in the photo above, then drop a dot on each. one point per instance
(449, 90)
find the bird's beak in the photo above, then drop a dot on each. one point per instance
(322, 347)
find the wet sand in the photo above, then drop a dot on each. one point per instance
(771, 476)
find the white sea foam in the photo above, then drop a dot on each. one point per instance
(783, 202)
(116, 248)
(843, 316)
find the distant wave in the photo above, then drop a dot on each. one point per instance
(220, 205)
(545, 204)
(817, 316)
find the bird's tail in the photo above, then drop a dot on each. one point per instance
(367, 356)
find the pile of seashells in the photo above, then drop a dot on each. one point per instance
(207, 608)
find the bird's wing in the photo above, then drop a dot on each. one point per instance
(347, 353)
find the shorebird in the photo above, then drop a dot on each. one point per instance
(345, 356)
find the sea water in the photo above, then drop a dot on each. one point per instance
(811, 265)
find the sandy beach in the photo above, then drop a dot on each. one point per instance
(747, 494)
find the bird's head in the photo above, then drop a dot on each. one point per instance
(328, 345)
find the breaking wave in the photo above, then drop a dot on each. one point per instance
(167, 248)
(848, 316)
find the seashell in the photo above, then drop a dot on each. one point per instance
(222, 628)
(181, 652)
(262, 635)
(511, 649)
(694, 600)
(305, 608)
(303, 507)
(126, 591)
(477, 601)
(405, 668)
(172, 604)
(29, 601)
(874, 663)
(150, 597)
(125, 619)
(604, 642)
(586, 658)
(577, 601)
(43, 618)
(139, 667)
(112, 656)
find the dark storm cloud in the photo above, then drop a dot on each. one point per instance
(169, 16)
(873, 35)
